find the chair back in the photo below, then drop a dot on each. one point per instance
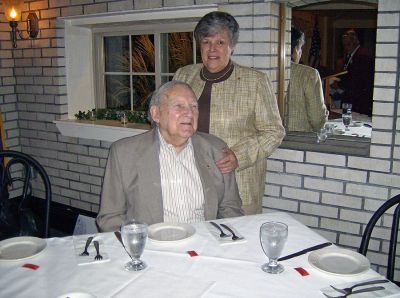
(19, 209)
(393, 234)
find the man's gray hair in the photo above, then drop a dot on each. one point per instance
(160, 93)
(215, 22)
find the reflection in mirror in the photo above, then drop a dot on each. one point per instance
(338, 40)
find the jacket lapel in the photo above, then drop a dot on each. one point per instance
(205, 166)
(149, 171)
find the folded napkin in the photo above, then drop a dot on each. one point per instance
(391, 290)
(168, 285)
(226, 240)
(79, 247)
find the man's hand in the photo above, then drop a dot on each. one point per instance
(228, 163)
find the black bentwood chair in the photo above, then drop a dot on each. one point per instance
(393, 235)
(21, 213)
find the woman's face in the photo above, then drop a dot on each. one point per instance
(296, 55)
(216, 51)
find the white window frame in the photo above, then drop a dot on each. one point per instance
(156, 30)
(80, 60)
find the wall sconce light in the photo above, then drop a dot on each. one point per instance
(12, 10)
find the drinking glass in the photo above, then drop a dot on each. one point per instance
(124, 119)
(322, 135)
(92, 115)
(346, 118)
(134, 235)
(273, 237)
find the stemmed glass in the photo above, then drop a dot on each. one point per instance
(134, 235)
(273, 237)
(346, 118)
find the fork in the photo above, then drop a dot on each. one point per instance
(85, 252)
(98, 255)
(372, 289)
(234, 236)
(222, 235)
(350, 289)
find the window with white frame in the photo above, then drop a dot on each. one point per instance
(131, 64)
(84, 50)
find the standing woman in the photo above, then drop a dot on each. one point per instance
(237, 104)
(306, 110)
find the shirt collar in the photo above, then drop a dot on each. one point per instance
(164, 143)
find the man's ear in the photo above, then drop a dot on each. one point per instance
(155, 113)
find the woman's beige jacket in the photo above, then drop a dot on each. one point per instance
(306, 110)
(243, 113)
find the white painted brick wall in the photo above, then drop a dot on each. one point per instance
(323, 185)
(341, 200)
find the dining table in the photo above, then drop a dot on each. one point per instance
(198, 266)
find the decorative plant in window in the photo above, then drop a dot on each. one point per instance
(130, 71)
(114, 114)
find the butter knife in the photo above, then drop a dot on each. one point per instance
(118, 235)
(304, 251)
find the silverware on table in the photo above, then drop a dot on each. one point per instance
(350, 289)
(234, 236)
(98, 255)
(304, 251)
(85, 252)
(372, 289)
(118, 235)
(222, 233)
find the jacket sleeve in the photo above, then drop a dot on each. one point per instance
(269, 131)
(231, 204)
(113, 203)
(317, 113)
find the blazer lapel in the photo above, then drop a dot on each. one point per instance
(149, 171)
(205, 166)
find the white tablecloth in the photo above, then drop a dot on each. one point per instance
(217, 271)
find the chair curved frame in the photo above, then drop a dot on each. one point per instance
(28, 161)
(393, 235)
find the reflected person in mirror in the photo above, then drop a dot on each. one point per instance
(168, 174)
(237, 104)
(305, 107)
(358, 83)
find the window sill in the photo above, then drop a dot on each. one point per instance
(337, 144)
(103, 130)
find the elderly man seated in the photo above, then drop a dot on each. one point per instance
(168, 174)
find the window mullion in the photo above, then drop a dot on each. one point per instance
(130, 71)
(157, 57)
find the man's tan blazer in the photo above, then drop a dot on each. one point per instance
(132, 182)
(243, 113)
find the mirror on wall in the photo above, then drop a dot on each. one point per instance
(339, 42)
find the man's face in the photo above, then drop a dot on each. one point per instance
(348, 45)
(177, 115)
(216, 51)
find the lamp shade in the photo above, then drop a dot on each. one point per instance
(12, 9)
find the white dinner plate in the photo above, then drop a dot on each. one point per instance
(339, 261)
(19, 248)
(170, 232)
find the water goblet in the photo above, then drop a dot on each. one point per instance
(346, 118)
(134, 236)
(273, 237)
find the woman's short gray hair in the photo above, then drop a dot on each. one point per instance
(215, 22)
(160, 93)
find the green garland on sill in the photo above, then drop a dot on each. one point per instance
(113, 114)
